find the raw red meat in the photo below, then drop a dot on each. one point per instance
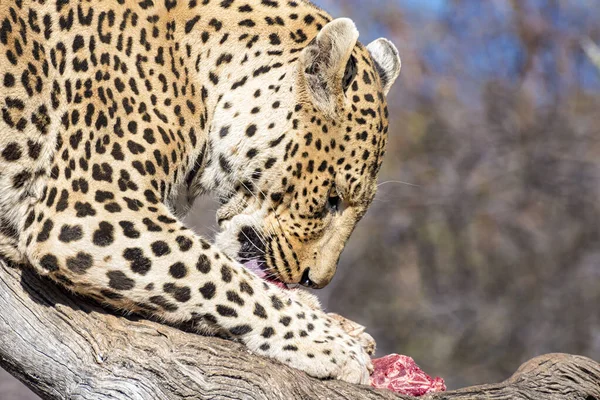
(402, 375)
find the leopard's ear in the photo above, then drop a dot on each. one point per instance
(323, 63)
(387, 61)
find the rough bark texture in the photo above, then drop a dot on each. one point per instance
(65, 348)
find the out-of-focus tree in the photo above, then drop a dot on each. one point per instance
(491, 254)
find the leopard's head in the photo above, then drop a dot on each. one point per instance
(312, 157)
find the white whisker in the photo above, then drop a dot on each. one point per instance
(398, 182)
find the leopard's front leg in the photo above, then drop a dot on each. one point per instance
(147, 261)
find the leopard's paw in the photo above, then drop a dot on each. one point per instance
(316, 344)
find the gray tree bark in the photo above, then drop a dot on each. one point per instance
(63, 347)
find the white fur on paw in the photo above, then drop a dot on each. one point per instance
(356, 331)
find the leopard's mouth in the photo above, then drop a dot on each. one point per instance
(252, 255)
(259, 268)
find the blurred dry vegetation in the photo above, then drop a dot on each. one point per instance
(489, 253)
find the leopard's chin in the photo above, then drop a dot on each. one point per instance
(258, 268)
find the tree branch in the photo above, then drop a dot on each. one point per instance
(66, 348)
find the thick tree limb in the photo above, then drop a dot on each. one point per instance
(64, 348)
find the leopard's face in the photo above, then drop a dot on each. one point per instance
(289, 220)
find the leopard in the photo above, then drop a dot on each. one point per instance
(118, 114)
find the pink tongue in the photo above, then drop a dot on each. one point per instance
(254, 267)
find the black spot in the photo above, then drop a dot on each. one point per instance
(203, 264)
(226, 275)
(9, 80)
(80, 263)
(151, 225)
(135, 148)
(180, 293)
(260, 311)
(33, 149)
(239, 83)
(225, 311)
(178, 270)
(216, 24)
(290, 347)
(49, 263)
(138, 262)
(246, 288)
(104, 235)
(51, 197)
(248, 23)
(70, 233)
(113, 207)
(209, 318)
(276, 197)
(267, 332)
(285, 321)
(149, 136)
(133, 204)
(185, 244)
(129, 230)
(160, 248)
(270, 162)
(251, 130)
(251, 153)
(84, 210)
(235, 298)
(189, 25)
(274, 39)
(240, 330)
(78, 43)
(102, 172)
(12, 152)
(62, 203)
(45, 232)
(119, 281)
(276, 302)
(208, 291)
(224, 131)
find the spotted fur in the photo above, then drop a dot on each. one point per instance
(116, 115)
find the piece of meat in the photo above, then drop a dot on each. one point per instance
(402, 375)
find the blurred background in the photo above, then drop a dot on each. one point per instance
(482, 248)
